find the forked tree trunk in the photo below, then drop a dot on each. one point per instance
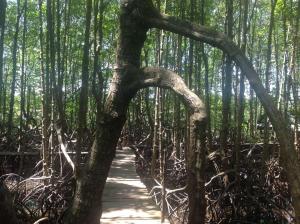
(126, 82)
(137, 16)
(86, 208)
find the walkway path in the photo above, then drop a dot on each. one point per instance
(126, 199)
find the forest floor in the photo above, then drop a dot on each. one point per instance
(255, 193)
(125, 198)
(260, 194)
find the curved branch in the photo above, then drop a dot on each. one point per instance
(221, 41)
(195, 154)
(163, 78)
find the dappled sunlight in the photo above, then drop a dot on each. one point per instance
(125, 198)
(131, 213)
(130, 183)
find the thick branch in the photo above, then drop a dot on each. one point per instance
(163, 78)
(159, 77)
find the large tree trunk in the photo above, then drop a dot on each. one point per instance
(86, 208)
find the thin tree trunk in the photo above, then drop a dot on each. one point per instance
(23, 72)
(294, 69)
(97, 72)
(83, 101)
(147, 101)
(176, 125)
(50, 78)
(267, 76)
(23, 89)
(3, 5)
(58, 86)
(14, 72)
(286, 92)
(28, 105)
(206, 82)
(226, 95)
(155, 146)
(240, 110)
(45, 99)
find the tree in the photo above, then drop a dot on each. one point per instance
(267, 73)
(136, 18)
(226, 91)
(3, 5)
(240, 112)
(83, 101)
(14, 71)
(45, 98)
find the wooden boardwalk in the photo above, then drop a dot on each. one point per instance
(125, 199)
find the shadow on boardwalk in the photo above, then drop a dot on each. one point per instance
(125, 199)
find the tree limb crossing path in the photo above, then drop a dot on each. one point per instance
(125, 197)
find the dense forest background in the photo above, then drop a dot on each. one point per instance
(57, 59)
(49, 55)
